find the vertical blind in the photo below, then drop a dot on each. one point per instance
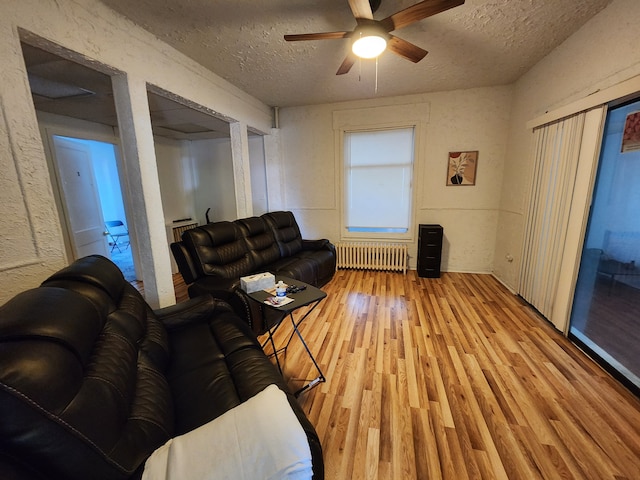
(556, 153)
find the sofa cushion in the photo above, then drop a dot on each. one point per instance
(296, 267)
(94, 278)
(105, 407)
(220, 250)
(112, 295)
(229, 369)
(325, 263)
(286, 232)
(260, 242)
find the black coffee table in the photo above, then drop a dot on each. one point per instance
(309, 296)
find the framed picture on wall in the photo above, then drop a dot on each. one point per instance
(461, 169)
(631, 134)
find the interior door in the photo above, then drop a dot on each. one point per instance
(80, 197)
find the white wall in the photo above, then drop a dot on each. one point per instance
(601, 54)
(213, 179)
(259, 191)
(476, 119)
(103, 156)
(175, 172)
(31, 240)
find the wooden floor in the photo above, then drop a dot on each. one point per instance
(613, 322)
(455, 378)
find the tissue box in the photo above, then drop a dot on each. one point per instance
(259, 281)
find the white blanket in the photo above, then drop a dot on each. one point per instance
(259, 439)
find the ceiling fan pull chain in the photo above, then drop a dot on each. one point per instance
(376, 87)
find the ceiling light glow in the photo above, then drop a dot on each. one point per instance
(369, 43)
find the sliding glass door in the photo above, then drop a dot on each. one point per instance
(605, 319)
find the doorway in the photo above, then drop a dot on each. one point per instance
(89, 185)
(604, 319)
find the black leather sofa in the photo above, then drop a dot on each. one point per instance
(213, 257)
(92, 380)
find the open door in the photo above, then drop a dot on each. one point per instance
(81, 200)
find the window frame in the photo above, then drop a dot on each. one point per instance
(398, 115)
(345, 167)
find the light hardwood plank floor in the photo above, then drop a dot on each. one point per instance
(455, 378)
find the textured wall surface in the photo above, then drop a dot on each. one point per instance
(475, 119)
(31, 239)
(601, 54)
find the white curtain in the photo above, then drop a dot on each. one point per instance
(556, 154)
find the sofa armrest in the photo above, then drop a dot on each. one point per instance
(251, 311)
(195, 310)
(316, 244)
(185, 263)
(218, 287)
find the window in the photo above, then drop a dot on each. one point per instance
(378, 176)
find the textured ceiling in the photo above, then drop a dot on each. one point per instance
(481, 43)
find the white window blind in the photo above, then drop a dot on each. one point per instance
(378, 176)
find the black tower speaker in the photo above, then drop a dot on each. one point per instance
(429, 250)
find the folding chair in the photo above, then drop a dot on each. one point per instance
(118, 233)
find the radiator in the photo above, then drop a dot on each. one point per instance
(372, 256)
(182, 227)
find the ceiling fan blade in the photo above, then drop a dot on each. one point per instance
(361, 9)
(316, 36)
(348, 62)
(417, 12)
(406, 49)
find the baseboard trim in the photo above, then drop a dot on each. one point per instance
(504, 284)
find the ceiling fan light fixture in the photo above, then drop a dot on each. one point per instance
(370, 37)
(369, 43)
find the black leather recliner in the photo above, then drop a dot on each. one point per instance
(319, 256)
(92, 380)
(213, 257)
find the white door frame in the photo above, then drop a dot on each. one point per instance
(47, 134)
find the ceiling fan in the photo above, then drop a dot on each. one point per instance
(376, 34)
